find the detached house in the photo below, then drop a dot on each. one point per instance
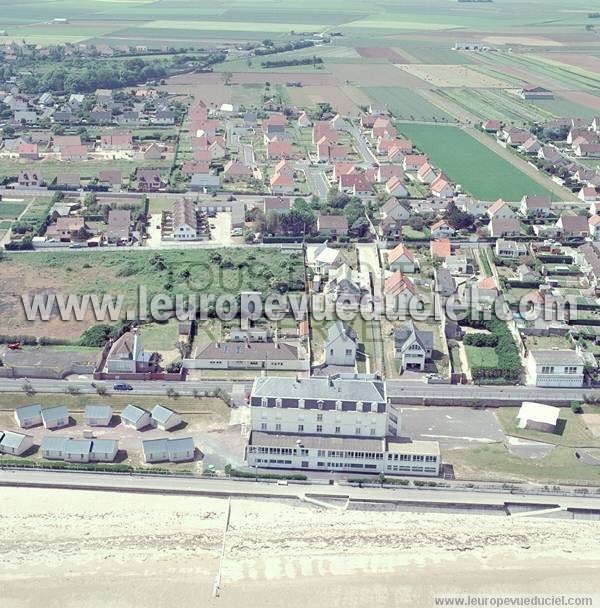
(573, 226)
(441, 229)
(341, 345)
(442, 188)
(560, 368)
(398, 291)
(395, 187)
(412, 347)
(30, 179)
(539, 206)
(401, 258)
(149, 180)
(332, 225)
(394, 209)
(500, 210)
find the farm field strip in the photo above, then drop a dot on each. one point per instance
(405, 103)
(468, 162)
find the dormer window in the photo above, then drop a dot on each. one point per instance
(338, 405)
(264, 402)
(320, 404)
(374, 406)
(278, 402)
(359, 406)
(301, 403)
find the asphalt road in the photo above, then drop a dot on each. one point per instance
(225, 487)
(416, 390)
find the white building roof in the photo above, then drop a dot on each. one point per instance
(538, 412)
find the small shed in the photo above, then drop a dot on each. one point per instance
(98, 415)
(538, 417)
(55, 417)
(27, 416)
(104, 450)
(14, 443)
(135, 417)
(164, 418)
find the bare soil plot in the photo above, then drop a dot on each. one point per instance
(381, 52)
(583, 98)
(578, 60)
(374, 74)
(345, 100)
(452, 76)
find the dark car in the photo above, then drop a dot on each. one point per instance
(123, 387)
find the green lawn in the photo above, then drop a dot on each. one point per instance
(478, 169)
(160, 336)
(482, 356)
(495, 462)
(11, 210)
(570, 433)
(407, 104)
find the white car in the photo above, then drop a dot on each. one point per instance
(237, 232)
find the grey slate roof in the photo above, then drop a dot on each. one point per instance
(104, 446)
(98, 411)
(155, 445)
(55, 413)
(28, 411)
(319, 388)
(341, 330)
(132, 413)
(556, 357)
(423, 337)
(53, 444)
(10, 439)
(78, 446)
(181, 444)
(161, 414)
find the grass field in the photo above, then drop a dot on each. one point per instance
(467, 162)
(407, 104)
(482, 356)
(215, 271)
(11, 211)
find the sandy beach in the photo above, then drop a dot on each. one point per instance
(79, 548)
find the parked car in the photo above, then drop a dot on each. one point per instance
(122, 386)
(237, 232)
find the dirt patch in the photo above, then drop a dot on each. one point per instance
(345, 100)
(381, 52)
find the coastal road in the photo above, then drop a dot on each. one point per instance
(415, 390)
(228, 487)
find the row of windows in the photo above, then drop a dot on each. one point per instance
(360, 406)
(550, 369)
(344, 454)
(415, 457)
(318, 429)
(399, 467)
(358, 420)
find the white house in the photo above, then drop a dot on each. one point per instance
(538, 417)
(98, 415)
(500, 210)
(441, 229)
(560, 368)
(104, 450)
(55, 417)
(340, 345)
(27, 416)
(164, 418)
(324, 258)
(412, 347)
(594, 227)
(14, 443)
(396, 210)
(135, 417)
(401, 258)
(179, 449)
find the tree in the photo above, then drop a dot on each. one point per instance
(458, 219)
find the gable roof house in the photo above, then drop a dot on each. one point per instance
(111, 178)
(531, 146)
(504, 227)
(395, 187)
(395, 210)
(14, 443)
(29, 179)
(135, 417)
(27, 416)
(401, 258)
(398, 291)
(441, 229)
(55, 417)
(149, 180)
(282, 184)
(332, 225)
(119, 226)
(98, 415)
(594, 227)
(426, 174)
(573, 226)
(28, 151)
(324, 258)
(413, 162)
(500, 210)
(535, 205)
(412, 347)
(441, 187)
(341, 344)
(164, 418)
(440, 249)
(391, 229)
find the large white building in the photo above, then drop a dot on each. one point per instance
(555, 368)
(341, 423)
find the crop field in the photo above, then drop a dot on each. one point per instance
(11, 210)
(478, 169)
(407, 104)
(452, 76)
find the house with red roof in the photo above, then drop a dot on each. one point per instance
(441, 249)
(426, 174)
(398, 291)
(77, 152)
(395, 187)
(500, 210)
(441, 187)
(384, 172)
(413, 162)
(28, 151)
(441, 229)
(282, 184)
(401, 258)
(279, 149)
